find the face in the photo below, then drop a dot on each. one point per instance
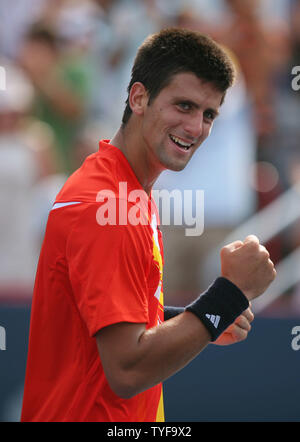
(178, 120)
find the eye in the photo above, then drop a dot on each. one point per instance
(184, 106)
(209, 115)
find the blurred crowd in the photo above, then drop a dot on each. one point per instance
(67, 66)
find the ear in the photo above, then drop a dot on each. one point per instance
(138, 98)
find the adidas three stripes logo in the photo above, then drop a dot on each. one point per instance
(214, 319)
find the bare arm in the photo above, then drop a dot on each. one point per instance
(135, 359)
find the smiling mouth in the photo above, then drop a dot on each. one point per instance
(180, 143)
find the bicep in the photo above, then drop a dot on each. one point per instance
(118, 346)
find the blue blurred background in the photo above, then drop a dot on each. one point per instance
(67, 65)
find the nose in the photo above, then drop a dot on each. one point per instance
(193, 126)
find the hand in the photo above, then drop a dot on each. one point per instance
(247, 264)
(238, 331)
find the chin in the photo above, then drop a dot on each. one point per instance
(175, 164)
(177, 167)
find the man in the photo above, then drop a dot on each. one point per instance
(60, 80)
(99, 345)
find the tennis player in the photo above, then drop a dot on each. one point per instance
(101, 342)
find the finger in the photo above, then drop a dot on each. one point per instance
(243, 323)
(274, 273)
(248, 314)
(238, 333)
(233, 246)
(264, 251)
(271, 264)
(251, 239)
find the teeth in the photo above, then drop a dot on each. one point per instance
(180, 142)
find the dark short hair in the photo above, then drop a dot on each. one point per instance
(42, 34)
(173, 51)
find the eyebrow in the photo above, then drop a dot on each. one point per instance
(195, 105)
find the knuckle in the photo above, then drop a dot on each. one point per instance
(224, 250)
(264, 252)
(243, 334)
(252, 238)
(229, 248)
(251, 244)
(235, 332)
(265, 256)
(252, 248)
(246, 325)
(249, 315)
(239, 333)
(272, 267)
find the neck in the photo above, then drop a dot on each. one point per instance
(133, 148)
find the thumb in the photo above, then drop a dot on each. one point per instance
(251, 238)
(233, 246)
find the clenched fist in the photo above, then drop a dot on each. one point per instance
(247, 264)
